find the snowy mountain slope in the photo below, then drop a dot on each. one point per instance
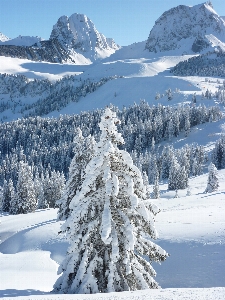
(22, 41)
(195, 26)
(38, 70)
(140, 81)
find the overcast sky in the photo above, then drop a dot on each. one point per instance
(126, 21)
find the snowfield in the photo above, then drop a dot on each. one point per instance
(191, 229)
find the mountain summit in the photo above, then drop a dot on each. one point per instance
(78, 33)
(3, 38)
(187, 28)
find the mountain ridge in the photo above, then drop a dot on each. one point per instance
(74, 40)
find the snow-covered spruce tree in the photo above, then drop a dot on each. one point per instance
(25, 198)
(156, 191)
(83, 150)
(110, 225)
(178, 178)
(8, 195)
(213, 181)
(6, 198)
(39, 191)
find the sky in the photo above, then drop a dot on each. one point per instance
(126, 21)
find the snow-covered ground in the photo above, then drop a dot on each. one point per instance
(191, 229)
(37, 70)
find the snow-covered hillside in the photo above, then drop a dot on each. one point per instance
(134, 80)
(191, 229)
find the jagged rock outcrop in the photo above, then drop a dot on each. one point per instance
(78, 33)
(194, 28)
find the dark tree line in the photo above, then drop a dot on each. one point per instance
(218, 153)
(46, 146)
(49, 142)
(209, 64)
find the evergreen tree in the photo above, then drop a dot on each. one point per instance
(146, 184)
(188, 191)
(39, 191)
(83, 150)
(110, 224)
(213, 181)
(156, 191)
(178, 178)
(152, 170)
(25, 200)
(8, 196)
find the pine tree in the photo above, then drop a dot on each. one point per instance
(178, 177)
(152, 169)
(213, 181)
(83, 150)
(156, 191)
(25, 198)
(188, 191)
(146, 183)
(110, 224)
(6, 198)
(39, 191)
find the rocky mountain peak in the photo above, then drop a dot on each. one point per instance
(79, 33)
(195, 27)
(3, 38)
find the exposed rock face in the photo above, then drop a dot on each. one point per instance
(178, 24)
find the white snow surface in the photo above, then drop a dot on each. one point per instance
(38, 70)
(191, 229)
(21, 41)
